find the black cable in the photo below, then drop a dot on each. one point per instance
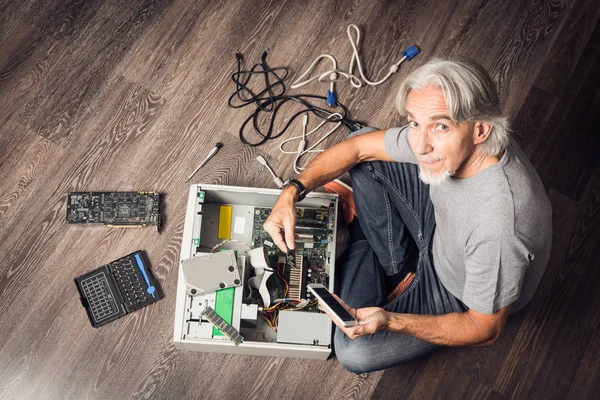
(241, 79)
(272, 98)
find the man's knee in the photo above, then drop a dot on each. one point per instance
(362, 355)
(352, 355)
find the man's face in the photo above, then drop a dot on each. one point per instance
(440, 145)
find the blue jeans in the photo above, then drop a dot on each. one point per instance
(394, 209)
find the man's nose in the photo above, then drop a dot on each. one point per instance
(423, 143)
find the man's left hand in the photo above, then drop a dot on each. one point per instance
(370, 320)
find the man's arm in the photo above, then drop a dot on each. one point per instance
(338, 159)
(455, 329)
(330, 164)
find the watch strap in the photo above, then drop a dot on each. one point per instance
(299, 185)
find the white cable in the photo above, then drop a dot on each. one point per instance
(228, 241)
(276, 179)
(356, 58)
(334, 74)
(298, 84)
(301, 149)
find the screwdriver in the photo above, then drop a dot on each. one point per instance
(210, 155)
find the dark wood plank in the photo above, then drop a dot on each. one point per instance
(554, 127)
(558, 309)
(27, 160)
(57, 111)
(587, 379)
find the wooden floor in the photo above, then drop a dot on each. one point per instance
(129, 95)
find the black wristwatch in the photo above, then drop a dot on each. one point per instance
(299, 185)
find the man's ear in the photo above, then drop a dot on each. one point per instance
(481, 131)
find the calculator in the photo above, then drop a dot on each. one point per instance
(117, 288)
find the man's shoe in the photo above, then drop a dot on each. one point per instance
(346, 195)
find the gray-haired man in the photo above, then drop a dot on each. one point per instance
(455, 187)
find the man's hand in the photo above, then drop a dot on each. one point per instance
(370, 320)
(281, 221)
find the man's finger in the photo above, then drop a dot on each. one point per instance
(355, 331)
(289, 234)
(279, 242)
(276, 235)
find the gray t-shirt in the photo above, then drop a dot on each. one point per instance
(493, 230)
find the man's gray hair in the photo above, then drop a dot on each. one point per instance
(470, 95)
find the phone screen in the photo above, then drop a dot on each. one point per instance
(332, 303)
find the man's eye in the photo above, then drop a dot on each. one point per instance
(443, 127)
(413, 124)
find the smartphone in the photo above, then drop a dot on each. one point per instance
(332, 305)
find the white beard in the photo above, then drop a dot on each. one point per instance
(429, 179)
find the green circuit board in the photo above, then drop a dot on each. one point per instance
(309, 262)
(114, 208)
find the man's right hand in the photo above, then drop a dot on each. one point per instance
(325, 167)
(281, 221)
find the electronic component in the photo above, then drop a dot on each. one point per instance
(297, 280)
(208, 272)
(229, 331)
(286, 286)
(265, 311)
(224, 306)
(117, 288)
(308, 263)
(290, 259)
(225, 213)
(120, 209)
(335, 308)
(292, 328)
(249, 312)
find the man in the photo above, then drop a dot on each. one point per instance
(453, 185)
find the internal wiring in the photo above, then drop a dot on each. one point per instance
(271, 314)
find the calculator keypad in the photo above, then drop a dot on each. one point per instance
(97, 292)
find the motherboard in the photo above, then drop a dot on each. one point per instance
(308, 263)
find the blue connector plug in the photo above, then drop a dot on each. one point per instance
(411, 52)
(331, 102)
